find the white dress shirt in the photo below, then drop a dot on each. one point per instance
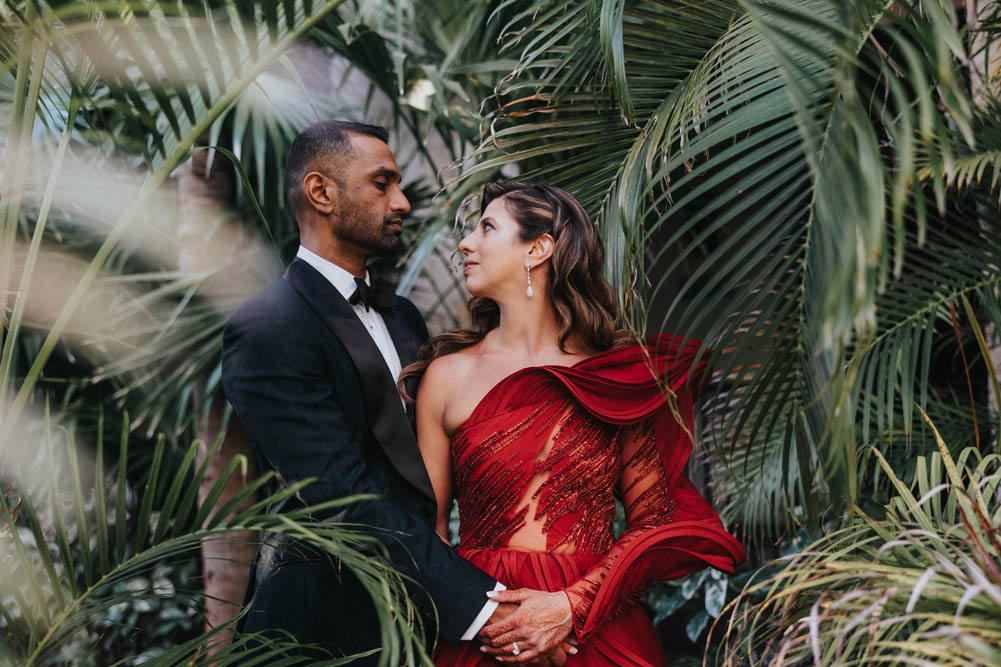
(344, 282)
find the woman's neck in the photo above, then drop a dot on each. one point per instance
(528, 328)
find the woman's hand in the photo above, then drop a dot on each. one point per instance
(541, 622)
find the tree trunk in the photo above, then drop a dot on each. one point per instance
(984, 69)
(225, 561)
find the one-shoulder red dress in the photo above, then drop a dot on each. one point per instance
(537, 468)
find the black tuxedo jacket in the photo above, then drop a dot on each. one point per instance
(317, 399)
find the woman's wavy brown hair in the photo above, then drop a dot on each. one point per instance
(583, 301)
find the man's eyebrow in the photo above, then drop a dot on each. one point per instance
(386, 172)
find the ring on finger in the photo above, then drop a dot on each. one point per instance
(515, 650)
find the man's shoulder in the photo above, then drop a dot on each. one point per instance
(407, 306)
(411, 315)
(272, 309)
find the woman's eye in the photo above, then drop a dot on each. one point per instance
(487, 225)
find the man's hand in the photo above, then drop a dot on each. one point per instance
(541, 622)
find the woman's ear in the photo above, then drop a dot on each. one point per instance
(321, 192)
(541, 249)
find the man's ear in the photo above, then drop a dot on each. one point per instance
(320, 192)
(542, 249)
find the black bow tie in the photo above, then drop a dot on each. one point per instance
(378, 295)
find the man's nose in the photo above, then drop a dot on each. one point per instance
(399, 204)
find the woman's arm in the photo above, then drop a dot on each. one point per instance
(432, 396)
(647, 504)
(670, 531)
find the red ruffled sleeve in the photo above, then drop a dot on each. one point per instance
(671, 530)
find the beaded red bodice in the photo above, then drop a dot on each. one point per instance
(538, 464)
(552, 457)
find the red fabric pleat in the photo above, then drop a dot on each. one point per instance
(693, 540)
(621, 386)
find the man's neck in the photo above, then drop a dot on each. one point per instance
(336, 253)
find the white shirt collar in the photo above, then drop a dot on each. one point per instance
(340, 278)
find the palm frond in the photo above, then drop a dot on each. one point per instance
(762, 163)
(67, 549)
(128, 50)
(918, 585)
(556, 116)
(978, 169)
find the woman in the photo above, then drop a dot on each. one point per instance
(541, 414)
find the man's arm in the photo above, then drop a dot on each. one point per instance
(277, 378)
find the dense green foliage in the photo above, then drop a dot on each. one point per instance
(767, 179)
(810, 187)
(919, 583)
(73, 566)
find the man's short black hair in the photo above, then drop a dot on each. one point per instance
(327, 140)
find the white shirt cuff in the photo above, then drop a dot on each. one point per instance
(484, 615)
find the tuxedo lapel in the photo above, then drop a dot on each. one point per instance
(407, 343)
(404, 338)
(386, 416)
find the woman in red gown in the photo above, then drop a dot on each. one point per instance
(538, 417)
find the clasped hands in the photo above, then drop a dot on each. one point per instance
(529, 627)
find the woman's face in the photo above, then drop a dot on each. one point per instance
(495, 254)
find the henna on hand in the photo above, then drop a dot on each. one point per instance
(540, 624)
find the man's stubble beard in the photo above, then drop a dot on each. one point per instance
(356, 227)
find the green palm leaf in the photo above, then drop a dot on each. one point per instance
(248, 51)
(918, 585)
(66, 554)
(765, 171)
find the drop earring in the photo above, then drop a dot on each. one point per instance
(528, 274)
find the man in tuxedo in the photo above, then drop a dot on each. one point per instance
(310, 366)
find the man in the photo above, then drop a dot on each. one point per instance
(310, 366)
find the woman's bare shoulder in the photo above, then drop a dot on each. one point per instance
(449, 365)
(448, 371)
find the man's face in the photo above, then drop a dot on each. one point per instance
(371, 205)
